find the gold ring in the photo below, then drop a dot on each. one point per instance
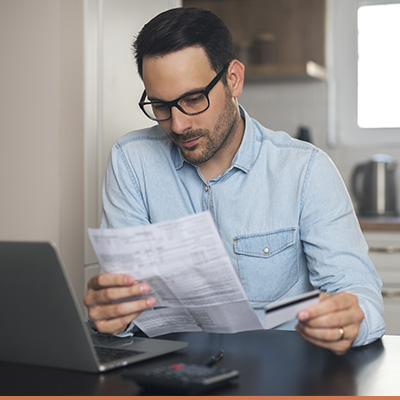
(341, 332)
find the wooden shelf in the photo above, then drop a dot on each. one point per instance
(391, 224)
(309, 70)
(297, 29)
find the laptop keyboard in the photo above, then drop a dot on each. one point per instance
(107, 354)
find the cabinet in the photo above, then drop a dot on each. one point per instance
(384, 251)
(276, 39)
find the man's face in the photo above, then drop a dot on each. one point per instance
(200, 137)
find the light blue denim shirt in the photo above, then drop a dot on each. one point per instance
(282, 210)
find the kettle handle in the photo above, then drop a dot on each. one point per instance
(359, 169)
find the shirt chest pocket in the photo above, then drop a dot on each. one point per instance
(267, 263)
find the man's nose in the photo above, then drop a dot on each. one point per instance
(181, 122)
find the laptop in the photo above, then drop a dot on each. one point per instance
(43, 324)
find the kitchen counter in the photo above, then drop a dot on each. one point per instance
(391, 224)
(383, 238)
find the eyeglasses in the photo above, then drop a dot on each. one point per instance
(190, 104)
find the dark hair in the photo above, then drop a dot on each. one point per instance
(179, 28)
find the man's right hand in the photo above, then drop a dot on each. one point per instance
(105, 291)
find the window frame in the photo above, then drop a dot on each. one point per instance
(342, 60)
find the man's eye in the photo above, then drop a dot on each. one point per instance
(159, 107)
(193, 99)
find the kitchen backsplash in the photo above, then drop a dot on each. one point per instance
(287, 105)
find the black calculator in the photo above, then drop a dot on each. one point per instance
(182, 378)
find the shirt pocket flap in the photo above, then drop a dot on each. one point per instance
(266, 244)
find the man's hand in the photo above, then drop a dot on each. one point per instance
(333, 323)
(103, 301)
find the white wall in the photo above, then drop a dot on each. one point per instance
(69, 88)
(41, 137)
(112, 88)
(287, 105)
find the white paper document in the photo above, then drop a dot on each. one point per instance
(189, 272)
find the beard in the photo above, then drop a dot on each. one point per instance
(211, 142)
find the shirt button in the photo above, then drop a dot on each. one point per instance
(266, 250)
(206, 189)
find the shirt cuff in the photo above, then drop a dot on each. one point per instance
(129, 331)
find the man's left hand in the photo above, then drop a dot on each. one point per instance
(333, 323)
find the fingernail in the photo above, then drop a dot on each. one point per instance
(144, 288)
(151, 301)
(303, 315)
(129, 280)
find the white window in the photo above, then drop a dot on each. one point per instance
(378, 66)
(364, 66)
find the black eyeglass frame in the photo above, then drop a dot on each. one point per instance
(175, 103)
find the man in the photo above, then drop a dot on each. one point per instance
(279, 204)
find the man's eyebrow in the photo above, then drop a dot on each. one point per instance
(188, 93)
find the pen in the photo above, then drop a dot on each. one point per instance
(214, 358)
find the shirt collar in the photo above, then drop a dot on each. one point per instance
(250, 146)
(245, 156)
(177, 157)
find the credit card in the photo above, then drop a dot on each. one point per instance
(286, 310)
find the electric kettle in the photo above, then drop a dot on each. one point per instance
(374, 186)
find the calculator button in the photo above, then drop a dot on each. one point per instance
(176, 366)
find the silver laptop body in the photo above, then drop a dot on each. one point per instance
(41, 320)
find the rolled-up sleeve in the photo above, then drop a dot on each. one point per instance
(336, 251)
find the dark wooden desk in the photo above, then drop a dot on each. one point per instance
(270, 363)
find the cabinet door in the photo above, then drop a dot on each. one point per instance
(384, 251)
(297, 25)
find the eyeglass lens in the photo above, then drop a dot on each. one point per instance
(192, 104)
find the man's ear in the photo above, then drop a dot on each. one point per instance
(235, 77)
